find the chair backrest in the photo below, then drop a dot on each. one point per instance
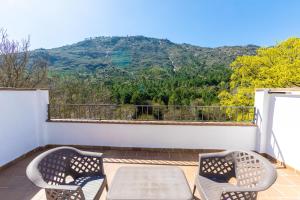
(55, 166)
(220, 169)
(253, 170)
(52, 167)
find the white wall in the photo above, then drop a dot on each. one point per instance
(21, 114)
(284, 129)
(279, 125)
(262, 112)
(153, 136)
(23, 127)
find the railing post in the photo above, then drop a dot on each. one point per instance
(254, 115)
(48, 112)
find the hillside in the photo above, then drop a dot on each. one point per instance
(135, 53)
(139, 70)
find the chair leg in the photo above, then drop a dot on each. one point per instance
(194, 189)
(106, 187)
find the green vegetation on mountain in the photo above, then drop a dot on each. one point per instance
(139, 70)
(135, 53)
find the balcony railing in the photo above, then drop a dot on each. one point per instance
(152, 112)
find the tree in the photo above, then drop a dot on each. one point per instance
(277, 66)
(71, 89)
(16, 68)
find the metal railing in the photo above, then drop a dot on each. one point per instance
(152, 112)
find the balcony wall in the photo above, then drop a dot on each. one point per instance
(23, 128)
(22, 122)
(205, 136)
(279, 124)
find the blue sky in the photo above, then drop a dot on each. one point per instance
(53, 23)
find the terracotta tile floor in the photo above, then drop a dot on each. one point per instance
(15, 186)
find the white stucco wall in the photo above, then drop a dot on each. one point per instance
(261, 104)
(279, 124)
(21, 114)
(23, 127)
(284, 129)
(153, 136)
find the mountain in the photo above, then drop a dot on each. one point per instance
(135, 53)
(139, 70)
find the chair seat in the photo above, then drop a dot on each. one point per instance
(209, 189)
(90, 185)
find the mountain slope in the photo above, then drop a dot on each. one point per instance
(136, 53)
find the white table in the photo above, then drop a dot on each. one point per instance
(159, 182)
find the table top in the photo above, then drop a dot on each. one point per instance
(161, 182)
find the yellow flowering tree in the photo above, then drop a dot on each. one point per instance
(272, 67)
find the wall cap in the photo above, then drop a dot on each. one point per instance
(153, 122)
(292, 89)
(21, 89)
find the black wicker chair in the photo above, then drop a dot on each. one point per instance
(68, 173)
(251, 172)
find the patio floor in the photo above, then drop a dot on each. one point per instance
(14, 184)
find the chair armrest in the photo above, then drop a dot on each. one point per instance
(90, 154)
(218, 154)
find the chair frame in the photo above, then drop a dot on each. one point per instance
(50, 170)
(253, 173)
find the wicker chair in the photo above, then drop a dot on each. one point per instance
(68, 173)
(251, 172)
